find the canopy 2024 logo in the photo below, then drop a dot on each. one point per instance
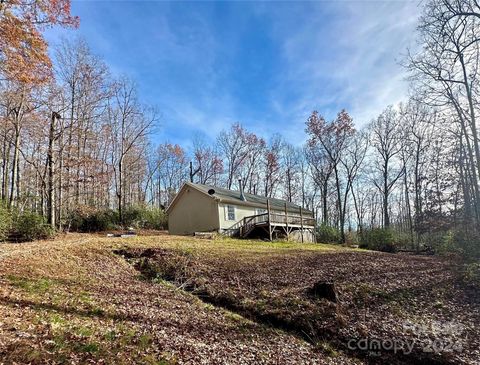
(448, 337)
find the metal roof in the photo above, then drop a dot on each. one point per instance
(232, 196)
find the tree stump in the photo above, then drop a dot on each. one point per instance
(323, 289)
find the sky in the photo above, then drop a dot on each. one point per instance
(268, 65)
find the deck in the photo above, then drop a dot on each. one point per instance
(274, 222)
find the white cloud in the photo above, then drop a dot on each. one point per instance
(345, 55)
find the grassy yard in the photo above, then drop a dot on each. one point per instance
(165, 300)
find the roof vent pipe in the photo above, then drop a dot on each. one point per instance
(242, 195)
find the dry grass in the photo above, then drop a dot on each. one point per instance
(72, 300)
(381, 296)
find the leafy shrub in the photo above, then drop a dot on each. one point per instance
(5, 222)
(403, 240)
(351, 238)
(442, 242)
(379, 239)
(467, 241)
(133, 216)
(328, 234)
(155, 218)
(471, 274)
(463, 241)
(29, 226)
(89, 219)
(100, 221)
(77, 217)
(145, 217)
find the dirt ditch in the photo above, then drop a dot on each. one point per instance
(320, 313)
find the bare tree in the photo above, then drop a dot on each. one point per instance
(291, 158)
(386, 141)
(207, 163)
(129, 123)
(172, 170)
(418, 127)
(446, 71)
(271, 167)
(250, 168)
(84, 80)
(234, 148)
(352, 163)
(332, 138)
(321, 170)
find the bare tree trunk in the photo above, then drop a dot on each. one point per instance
(5, 169)
(472, 114)
(386, 217)
(471, 160)
(60, 179)
(341, 212)
(16, 155)
(51, 172)
(120, 189)
(407, 204)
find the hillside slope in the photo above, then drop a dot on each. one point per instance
(166, 299)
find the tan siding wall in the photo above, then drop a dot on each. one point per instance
(240, 213)
(193, 212)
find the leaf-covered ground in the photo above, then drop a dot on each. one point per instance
(181, 300)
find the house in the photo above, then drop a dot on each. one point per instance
(204, 208)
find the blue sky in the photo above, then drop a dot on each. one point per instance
(205, 65)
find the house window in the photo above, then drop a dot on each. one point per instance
(261, 211)
(230, 212)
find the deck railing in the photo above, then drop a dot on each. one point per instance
(291, 220)
(250, 222)
(247, 224)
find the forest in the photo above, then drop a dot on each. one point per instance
(77, 140)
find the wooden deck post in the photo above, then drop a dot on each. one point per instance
(301, 222)
(286, 219)
(269, 222)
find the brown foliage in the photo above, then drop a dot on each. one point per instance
(23, 50)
